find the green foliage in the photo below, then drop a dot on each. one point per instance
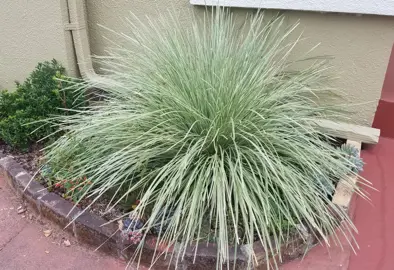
(74, 189)
(215, 125)
(353, 154)
(23, 111)
(58, 174)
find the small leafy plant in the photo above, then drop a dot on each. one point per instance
(74, 189)
(23, 111)
(352, 153)
(215, 126)
(64, 182)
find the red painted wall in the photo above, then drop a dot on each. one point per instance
(384, 116)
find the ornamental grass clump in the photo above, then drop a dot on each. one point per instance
(215, 124)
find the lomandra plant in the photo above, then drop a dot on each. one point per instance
(214, 124)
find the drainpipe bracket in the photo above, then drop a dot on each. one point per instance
(73, 27)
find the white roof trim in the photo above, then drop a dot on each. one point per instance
(378, 7)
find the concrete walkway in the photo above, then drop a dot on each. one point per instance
(23, 244)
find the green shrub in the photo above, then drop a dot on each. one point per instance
(216, 126)
(41, 95)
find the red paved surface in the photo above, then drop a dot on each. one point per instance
(23, 245)
(376, 223)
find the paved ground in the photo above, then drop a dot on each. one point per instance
(376, 222)
(23, 244)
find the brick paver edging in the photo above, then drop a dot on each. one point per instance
(91, 229)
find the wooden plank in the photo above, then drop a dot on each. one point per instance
(343, 192)
(349, 131)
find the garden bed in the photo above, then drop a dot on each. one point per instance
(95, 230)
(31, 161)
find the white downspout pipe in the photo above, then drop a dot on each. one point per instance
(78, 28)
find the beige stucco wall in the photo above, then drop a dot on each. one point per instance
(360, 44)
(32, 31)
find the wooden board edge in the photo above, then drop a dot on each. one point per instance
(348, 131)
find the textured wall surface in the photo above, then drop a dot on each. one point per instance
(31, 31)
(360, 45)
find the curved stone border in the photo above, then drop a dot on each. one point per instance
(92, 229)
